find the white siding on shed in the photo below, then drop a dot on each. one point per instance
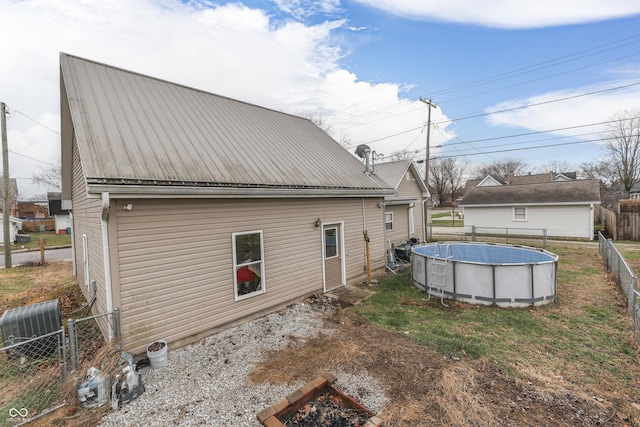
(561, 221)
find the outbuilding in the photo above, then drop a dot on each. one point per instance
(194, 211)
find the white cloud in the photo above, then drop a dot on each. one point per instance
(232, 50)
(573, 110)
(509, 13)
(306, 8)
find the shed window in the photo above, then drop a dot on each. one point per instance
(248, 264)
(519, 214)
(388, 220)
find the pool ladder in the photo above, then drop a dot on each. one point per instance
(442, 256)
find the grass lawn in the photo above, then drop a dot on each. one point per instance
(572, 362)
(50, 238)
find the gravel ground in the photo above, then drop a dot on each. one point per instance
(206, 383)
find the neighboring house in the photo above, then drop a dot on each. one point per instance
(194, 211)
(557, 202)
(15, 225)
(61, 216)
(32, 210)
(404, 210)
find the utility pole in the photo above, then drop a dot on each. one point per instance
(6, 202)
(426, 159)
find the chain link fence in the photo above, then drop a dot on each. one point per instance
(33, 370)
(624, 276)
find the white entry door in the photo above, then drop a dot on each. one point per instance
(333, 247)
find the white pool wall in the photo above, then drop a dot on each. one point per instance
(504, 283)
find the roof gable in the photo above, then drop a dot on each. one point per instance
(488, 181)
(136, 130)
(393, 173)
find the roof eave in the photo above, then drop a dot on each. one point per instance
(136, 191)
(493, 205)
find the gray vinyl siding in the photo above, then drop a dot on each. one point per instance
(86, 220)
(175, 261)
(400, 232)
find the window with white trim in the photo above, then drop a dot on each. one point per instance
(85, 259)
(388, 221)
(519, 213)
(248, 264)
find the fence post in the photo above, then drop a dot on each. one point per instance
(473, 233)
(63, 362)
(544, 239)
(116, 327)
(72, 344)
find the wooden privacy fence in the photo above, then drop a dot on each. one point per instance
(34, 225)
(623, 224)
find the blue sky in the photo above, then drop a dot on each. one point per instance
(360, 65)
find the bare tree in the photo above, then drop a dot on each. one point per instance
(557, 166)
(605, 172)
(340, 137)
(623, 144)
(501, 168)
(445, 178)
(48, 177)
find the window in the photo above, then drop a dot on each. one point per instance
(248, 264)
(519, 214)
(85, 259)
(330, 242)
(388, 220)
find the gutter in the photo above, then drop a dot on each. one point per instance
(104, 223)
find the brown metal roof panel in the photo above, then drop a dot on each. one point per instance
(131, 126)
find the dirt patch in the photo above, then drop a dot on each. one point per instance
(426, 388)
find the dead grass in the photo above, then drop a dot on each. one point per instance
(554, 380)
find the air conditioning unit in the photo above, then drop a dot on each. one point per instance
(31, 321)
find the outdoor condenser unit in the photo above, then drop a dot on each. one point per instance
(24, 323)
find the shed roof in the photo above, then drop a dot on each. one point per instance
(581, 191)
(139, 134)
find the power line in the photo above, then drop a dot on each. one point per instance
(527, 134)
(34, 120)
(539, 103)
(32, 158)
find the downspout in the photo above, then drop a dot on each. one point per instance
(425, 235)
(591, 221)
(105, 256)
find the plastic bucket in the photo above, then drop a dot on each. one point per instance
(158, 358)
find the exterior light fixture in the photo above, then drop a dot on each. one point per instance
(317, 223)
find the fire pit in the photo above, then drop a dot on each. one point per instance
(318, 403)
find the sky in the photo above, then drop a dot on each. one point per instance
(533, 81)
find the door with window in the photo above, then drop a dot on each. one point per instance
(333, 256)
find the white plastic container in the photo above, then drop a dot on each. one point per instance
(158, 358)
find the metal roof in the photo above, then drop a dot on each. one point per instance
(134, 131)
(394, 172)
(579, 191)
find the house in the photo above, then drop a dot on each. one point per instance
(37, 210)
(15, 225)
(559, 203)
(404, 211)
(193, 211)
(61, 216)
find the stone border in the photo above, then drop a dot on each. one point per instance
(269, 417)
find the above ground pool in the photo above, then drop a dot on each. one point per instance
(485, 273)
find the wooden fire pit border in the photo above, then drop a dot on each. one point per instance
(269, 417)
